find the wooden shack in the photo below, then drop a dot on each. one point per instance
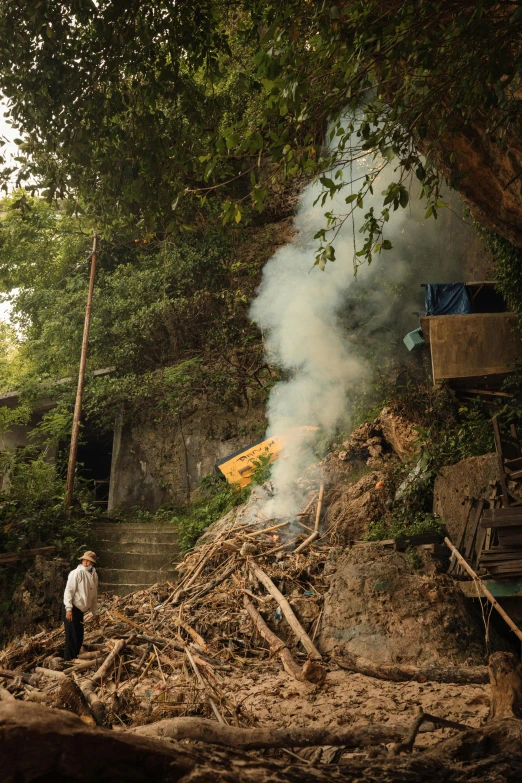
(477, 349)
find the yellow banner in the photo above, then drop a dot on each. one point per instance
(239, 467)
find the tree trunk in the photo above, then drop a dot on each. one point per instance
(407, 672)
(505, 673)
(210, 731)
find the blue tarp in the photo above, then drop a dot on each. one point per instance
(447, 299)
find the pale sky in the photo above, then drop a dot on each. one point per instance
(7, 133)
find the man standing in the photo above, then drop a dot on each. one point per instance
(81, 594)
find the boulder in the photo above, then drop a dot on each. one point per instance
(390, 433)
(399, 433)
(380, 607)
(38, 598)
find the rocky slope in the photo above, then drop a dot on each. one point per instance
(199, 649)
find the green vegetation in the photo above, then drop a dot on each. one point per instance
(171, 315)
(141, 113)
(451, 432)
(216, 498)
(31, 505)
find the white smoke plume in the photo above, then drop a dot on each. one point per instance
(301, 312)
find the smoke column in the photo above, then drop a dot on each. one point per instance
(301, 312)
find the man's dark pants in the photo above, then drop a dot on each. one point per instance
(73, 633)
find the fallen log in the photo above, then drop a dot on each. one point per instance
(98, 676)
(288, 612)
(51, 673)
(96, 705)
(277, 646)
(30, 679)
(80, 666)
(88, 686)
(505, 673)
(205, 730)
(408, 672)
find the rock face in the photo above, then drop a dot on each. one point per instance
(471, 477)
(158, 462)
(38, 598)
(378, 606)
(492, 186)
(390, 434)
(399, 433)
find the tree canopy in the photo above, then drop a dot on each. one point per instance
(141, 110)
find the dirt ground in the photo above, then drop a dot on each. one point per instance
(349, 698)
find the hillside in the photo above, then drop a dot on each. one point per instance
(260, 302)
(345, 641)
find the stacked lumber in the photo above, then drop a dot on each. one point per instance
(503, 560)
(493, 529)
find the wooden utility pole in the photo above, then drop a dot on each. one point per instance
(71, 469)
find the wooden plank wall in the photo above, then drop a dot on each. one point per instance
(465, 346)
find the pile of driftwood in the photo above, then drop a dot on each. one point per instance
(154, 668)
(162, 652)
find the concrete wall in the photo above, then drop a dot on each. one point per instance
(157, 462)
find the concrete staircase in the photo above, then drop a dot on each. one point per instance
(134, 556)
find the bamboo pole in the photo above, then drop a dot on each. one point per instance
(306, 543)
(288, 612)
(276, 645)
(204, 688)
(478, 581)
(73, 451)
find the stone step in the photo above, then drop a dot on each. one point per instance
(138, 537)
(138, 560)
(113, 527)
(138, 578)
(138, 547)
(115, 588)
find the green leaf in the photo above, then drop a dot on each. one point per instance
(329, 253)
(327, 183)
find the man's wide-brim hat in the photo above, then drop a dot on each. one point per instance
(88, 556)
